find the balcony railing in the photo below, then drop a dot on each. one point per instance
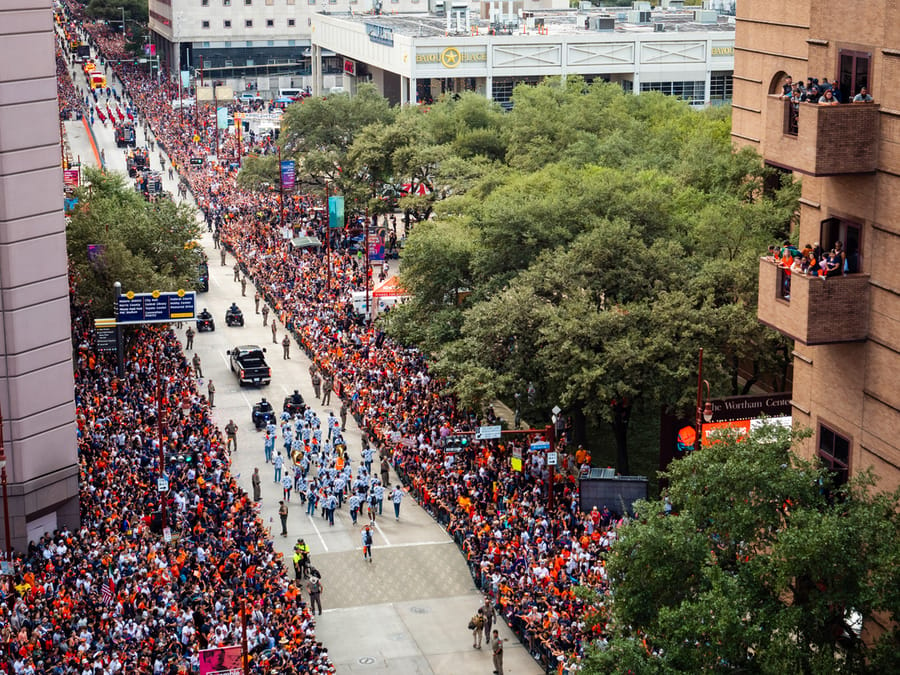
(822, 140)
(813, 310)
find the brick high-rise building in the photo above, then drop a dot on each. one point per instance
(847, 328)
(36, 382)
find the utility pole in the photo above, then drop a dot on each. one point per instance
(327, 241)
(216, 118)
(280, 192)
(366, 254)
(163, 496)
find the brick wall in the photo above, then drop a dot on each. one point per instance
(818, 312)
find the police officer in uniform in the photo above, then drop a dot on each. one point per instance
(286, 345)
(189, 334)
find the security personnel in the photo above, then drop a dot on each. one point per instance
(189, 334)
(301, 558)
(286, 344)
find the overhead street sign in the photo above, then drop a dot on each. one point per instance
(543, 445)
(156, 307)
(488, 433)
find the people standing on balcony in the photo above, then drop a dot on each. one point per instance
(863, 96)
(812, 95)
(828, 98)
(788, 87)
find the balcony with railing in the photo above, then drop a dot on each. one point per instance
(813, 310)
(822, 140)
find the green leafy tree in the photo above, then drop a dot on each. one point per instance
(319, 133)
(115, 235)
(764, 565)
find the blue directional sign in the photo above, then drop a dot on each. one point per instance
(156, 307)
(540, 446)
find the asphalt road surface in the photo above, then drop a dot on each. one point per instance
(407, 611)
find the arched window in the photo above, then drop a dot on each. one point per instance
(777, 81)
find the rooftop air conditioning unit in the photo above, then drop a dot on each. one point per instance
(706, 16)
(635, 16)
(659, 28)
(602, 23)
(585, 5)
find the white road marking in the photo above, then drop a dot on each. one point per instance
(319, 534)
(246, 400)
(383, 535)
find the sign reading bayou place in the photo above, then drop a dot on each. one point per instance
(451, 57)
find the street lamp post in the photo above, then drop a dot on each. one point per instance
(704, 412)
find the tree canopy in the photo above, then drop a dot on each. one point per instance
(115, 235)
(763, 565)
(585, 244)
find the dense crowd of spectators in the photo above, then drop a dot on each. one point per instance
(494, 498)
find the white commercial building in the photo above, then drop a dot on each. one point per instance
(264, 43)
(418, 57)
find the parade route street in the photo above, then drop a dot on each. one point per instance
(407, 611)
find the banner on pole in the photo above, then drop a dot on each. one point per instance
(336, 212)
(288, 174)
(222, 117)
(376, 247)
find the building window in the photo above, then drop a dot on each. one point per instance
(248, 23)
(692, 92)
(206, 24)
(627, 86)
(270, 43)
(834, 453)
(292, 23)
(204, 3)
(227, 23)
(720, 88)
(226, 3)
(290, 2)
(849, 234)
(292, 43)
(248, 2)
(249, 43)
(206, 44)
(269, 3)
(227, 43)
(270, 23)
(853, 73)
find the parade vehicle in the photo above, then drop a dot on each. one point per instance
(294, 404)
(125, 135)
(249, 363)
(148, 183)
(97, 80)
(137, 160)
(262, 414)
(234, 316)
(82, 52)
(203, 275)
(205, 321)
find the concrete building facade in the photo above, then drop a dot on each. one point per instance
(847, 328)
(413, 59)
(36, 382)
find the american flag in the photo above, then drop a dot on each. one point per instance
(107, 590)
